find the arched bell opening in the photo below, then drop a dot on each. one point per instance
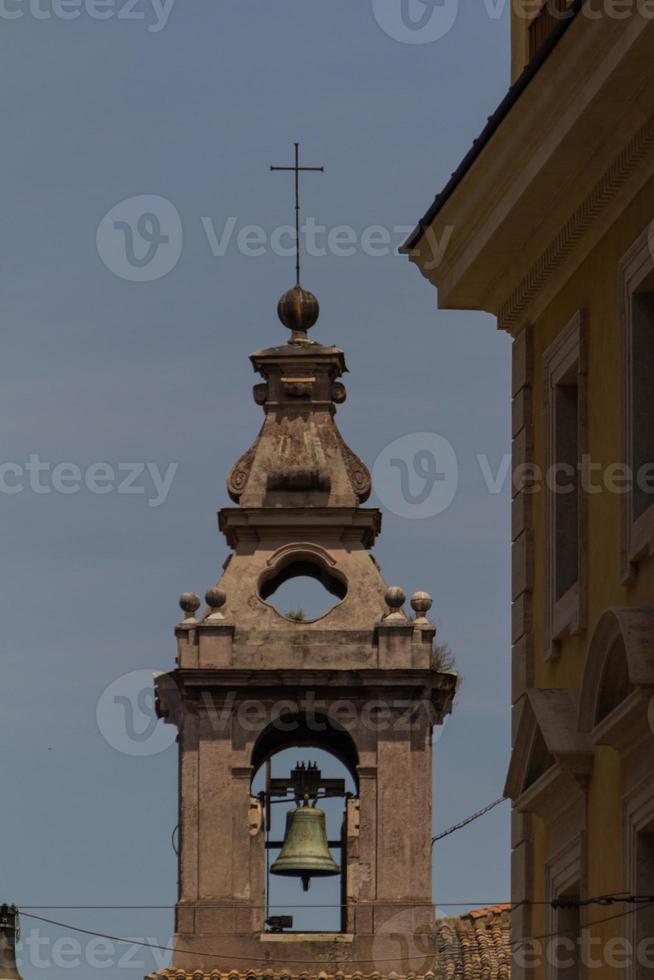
(303, 586)
(304, 787)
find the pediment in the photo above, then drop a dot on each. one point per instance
(550, 757)
(618, 678)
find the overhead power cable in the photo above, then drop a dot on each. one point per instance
(556, 903)
(468, 820)
(575, 930)
(194, 952)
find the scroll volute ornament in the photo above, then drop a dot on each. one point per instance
(240, 472)
(339, 392)
(357, 471)
(260, 393)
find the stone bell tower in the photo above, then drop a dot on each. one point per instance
(362, 681)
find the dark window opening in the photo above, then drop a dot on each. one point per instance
(644, 885)
(615, 685)
(643, 396)
(568, 928)
(566, 488)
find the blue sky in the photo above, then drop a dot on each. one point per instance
(100, 369)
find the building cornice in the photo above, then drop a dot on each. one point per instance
(494, 122)
(568, 157)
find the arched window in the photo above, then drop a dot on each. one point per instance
(283, 758)
(303, 582)
(615, 685)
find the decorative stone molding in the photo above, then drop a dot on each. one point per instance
(565, 357)
(521, 512)
(358, 473)
(564, 873)
(240, 472)
(551, 760)
(570, 235)
(637, 535)
(637, 818)
(627, 633)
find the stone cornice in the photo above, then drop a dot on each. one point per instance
(237, 523)
(570, 155)
(596, 204)
(355, 682)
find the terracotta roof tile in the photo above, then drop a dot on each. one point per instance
(474, 946)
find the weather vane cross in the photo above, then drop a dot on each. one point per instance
(296, 169)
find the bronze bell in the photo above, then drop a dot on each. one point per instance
(8, 936)
(305, 852)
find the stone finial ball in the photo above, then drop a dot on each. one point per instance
(216, 597)
(421, 603)
(298, 309)
(395, 597)
(189, 602)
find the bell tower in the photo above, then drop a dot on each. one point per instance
(362, 682)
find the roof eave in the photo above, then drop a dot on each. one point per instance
(493, 124)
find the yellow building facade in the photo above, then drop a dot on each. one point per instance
(549, 225)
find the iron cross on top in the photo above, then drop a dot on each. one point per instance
(297, 169)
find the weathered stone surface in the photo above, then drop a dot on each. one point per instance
(361, 681)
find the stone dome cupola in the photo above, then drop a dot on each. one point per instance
(299, 457)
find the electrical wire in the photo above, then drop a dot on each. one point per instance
(602, 900)
(231, 905)
(193, 952)
(469, 820)
(223, 956)
(584, 925)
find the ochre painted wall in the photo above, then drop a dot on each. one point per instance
(593, 288)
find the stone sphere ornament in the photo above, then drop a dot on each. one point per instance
(395, 597)
(189, 603)
(216, 597)
(421, 603)
(298, 309)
